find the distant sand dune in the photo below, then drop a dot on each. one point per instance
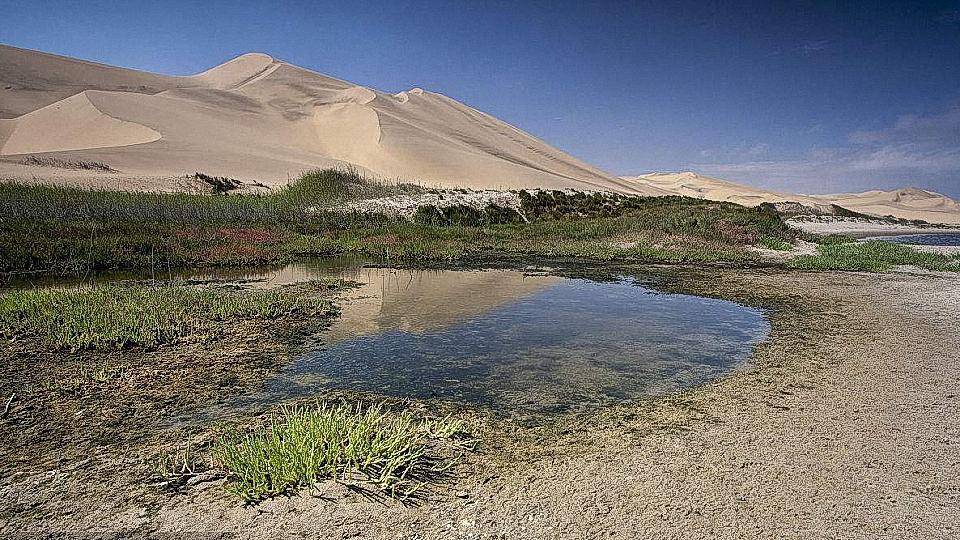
(909, 203)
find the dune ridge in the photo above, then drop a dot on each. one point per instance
(261, 119)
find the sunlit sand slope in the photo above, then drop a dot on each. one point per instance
(258, 118)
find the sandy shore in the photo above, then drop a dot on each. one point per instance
(844, 427)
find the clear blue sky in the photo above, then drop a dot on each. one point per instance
(811, 96)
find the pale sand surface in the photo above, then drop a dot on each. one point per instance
(860, 228)
(907, 203)
(910, 203)
(257, 118)
(844, 428)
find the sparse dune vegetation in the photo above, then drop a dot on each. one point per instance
(73, 229)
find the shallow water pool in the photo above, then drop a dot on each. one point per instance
(520, 343)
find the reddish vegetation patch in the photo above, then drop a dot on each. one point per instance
(259, 236)
(231, 234)
(737, 233)
(226, 245)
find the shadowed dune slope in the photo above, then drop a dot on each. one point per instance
(258, 118)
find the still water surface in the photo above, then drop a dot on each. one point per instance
(933, 239)
(516, 342)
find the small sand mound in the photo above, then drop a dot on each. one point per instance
(74, 123)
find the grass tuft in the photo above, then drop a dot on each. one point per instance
(303, 445)
(775, 243)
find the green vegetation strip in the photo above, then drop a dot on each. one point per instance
(118, 316)
(70, 230)
(304, 445)
(873, 256)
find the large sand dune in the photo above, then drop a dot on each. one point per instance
(908, 203)
(258, 118)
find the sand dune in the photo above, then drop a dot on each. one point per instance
(32, 80)
(258, 118)
(261, 119)
(690, 184)
(909, 203)
(74, 123)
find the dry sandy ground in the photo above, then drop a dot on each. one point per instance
(846, 427)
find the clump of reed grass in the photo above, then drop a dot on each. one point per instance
(873, 256)
(301, 446)
(175, 469)
(118, 316)
(294, 203)
(59, 163)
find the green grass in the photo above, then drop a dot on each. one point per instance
(303, 445)
(873, 256)
(73, 231)
(118, 316)
(294, 203)
(774, 243)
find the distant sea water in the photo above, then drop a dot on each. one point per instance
(931, 239)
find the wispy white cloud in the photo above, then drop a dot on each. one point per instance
(815, 46)
(914, 150)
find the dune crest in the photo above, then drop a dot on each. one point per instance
(235, 73)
